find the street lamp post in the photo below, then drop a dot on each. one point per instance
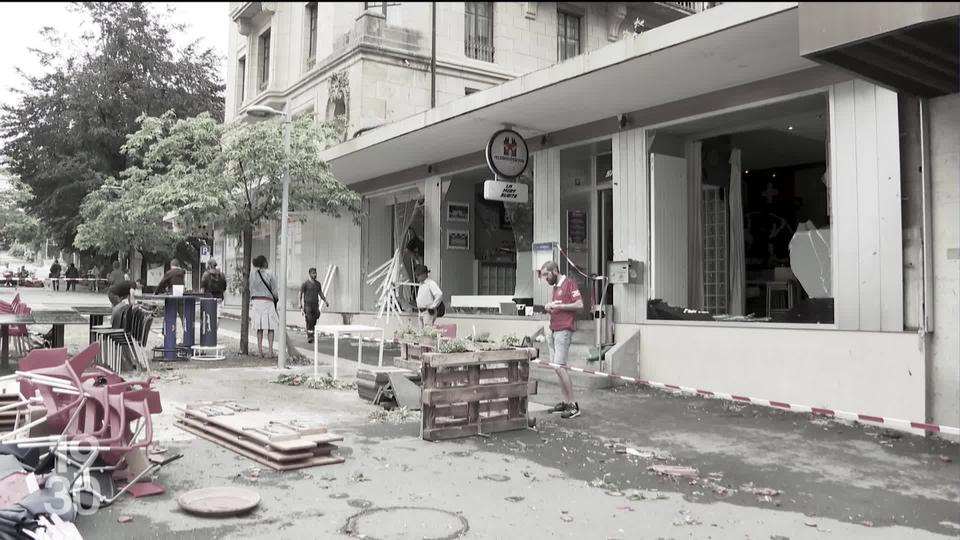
(262, 111)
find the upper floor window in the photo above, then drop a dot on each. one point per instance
(379, 6)
(263, 48)
(241, 78)
(568, 35)
(478, 31)
(311, 34)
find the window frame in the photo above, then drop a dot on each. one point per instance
(472, 47)
(312, 33)
(826, 93)
(241, 79)
(563, 38)
(263, 59)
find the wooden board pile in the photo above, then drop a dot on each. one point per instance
(281, 442)
(474, 393)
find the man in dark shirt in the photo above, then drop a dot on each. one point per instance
(213, 281)
(55, 270)
(174, 276)
(123, 289)
(311, 293)
(116, 276)
(72, 274)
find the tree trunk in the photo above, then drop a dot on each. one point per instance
(292, 352)
(143, 267)
(247, 239)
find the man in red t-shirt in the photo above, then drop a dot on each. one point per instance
(563, 307)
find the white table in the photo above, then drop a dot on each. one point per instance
(336, 330)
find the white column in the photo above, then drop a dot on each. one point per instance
(631, 223)
(546, 207)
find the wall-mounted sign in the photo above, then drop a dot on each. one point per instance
(507, 154)
(494, 190)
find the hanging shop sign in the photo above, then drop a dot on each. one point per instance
(511, 192)
(507, 154)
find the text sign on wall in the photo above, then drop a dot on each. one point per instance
(511, 192)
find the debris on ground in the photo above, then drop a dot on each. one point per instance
(324, 382)
(250, 475)
(399, 415)
(358, 477)
(810, 524)
(945, 459)
(513, 499)
(676, 471)
(124, 519)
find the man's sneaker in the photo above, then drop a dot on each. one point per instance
(559, 407)
(571, 412)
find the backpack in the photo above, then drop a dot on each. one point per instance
(218, 283)
(441, 309)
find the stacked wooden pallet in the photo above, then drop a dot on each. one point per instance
(411, 354)
(281, 442)
(474, 393)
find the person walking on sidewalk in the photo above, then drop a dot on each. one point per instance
(122, 290)
(55, 270)
(73, 274)
(563, 307)
(429, 296)
(116, 276)
(311, 294)
(263, 307)
(213, 281)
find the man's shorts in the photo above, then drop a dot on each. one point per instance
(559, 343)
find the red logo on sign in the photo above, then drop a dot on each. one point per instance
(510, 147)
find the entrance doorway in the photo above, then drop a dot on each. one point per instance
(586, 204)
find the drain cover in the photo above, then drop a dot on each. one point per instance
(404, 522)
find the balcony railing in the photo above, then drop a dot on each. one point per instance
(693, 7)
(478, 48)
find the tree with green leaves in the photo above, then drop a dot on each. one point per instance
(19, 227)
(63, 137)
(231, 176)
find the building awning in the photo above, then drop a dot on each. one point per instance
(730, 45)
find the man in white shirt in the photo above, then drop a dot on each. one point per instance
(429, 296)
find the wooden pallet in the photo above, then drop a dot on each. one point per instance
(411, 354)
(474, 393)
(281, 442)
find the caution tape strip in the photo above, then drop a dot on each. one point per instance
(818, 411)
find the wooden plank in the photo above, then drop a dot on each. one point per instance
(487, 376)
(413, 365)
(237, 423)
(438, 434)
(287, 466)
(459, 410)
(441, 396)
(428, 375)
(233, 438)
(469, 358)
(473, 408)
(513, 406)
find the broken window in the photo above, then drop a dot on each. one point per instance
(740, 216)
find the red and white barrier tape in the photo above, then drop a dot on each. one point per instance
(829, 413)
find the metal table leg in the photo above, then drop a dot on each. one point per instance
(169, 329)
(5, 347)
